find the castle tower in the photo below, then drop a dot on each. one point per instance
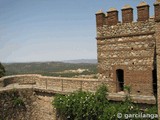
(129, 54)
(127, 14)
(126, 51)
(143, 11)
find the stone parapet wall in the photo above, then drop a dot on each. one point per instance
(21, 79)
(111, 17)
(60, 84)
(52, 83)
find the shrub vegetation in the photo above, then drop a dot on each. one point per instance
(82, 105)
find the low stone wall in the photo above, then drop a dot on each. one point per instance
(51, 83)
(36, 92)
(21, 79)
(63, 85)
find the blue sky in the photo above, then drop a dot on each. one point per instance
(52, 30)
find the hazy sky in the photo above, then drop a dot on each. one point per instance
(52, 30)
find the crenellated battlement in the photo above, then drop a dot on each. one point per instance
(111, 17)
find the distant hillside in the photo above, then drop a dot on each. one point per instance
(92, 61)
(50, 68)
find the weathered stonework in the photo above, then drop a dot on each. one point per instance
(128, 52)
(34, 105)
(37, 93)
(158, 63)
(64, 85)
(52, 83)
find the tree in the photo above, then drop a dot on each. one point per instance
(2, 70)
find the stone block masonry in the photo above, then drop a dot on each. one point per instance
(35, 105)
(128, 55)
(58, 84)
(63, 85)
(37, 93)
(157, 19)
(128, 52)
(158, 63)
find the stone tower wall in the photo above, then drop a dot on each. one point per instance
(131, 47)
(158, 63)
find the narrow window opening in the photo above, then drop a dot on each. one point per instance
(154, 76)
(120, 80)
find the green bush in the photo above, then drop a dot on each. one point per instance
(82, 105)
(17, 101)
